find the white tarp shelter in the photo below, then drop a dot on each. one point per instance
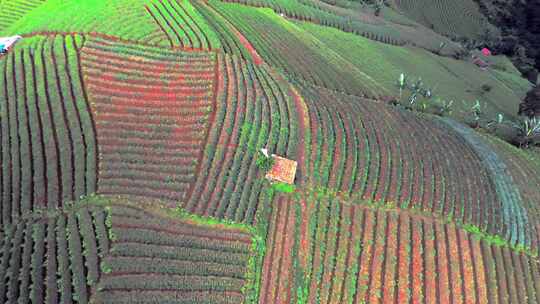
(7, 42)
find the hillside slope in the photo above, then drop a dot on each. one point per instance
(129, 156)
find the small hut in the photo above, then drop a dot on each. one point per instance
(283, 170)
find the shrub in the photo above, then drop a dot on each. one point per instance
(528, 132)
(530, 106)
(263, 162)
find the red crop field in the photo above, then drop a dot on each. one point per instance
(150, 122)
(368, 151)
(133, 164)
(363, 255)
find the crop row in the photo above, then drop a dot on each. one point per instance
(353, 254)
(289, 48)
(461, 18)
(182, 24)
(230, 43)
(253, 111)
(48, 146)
(150, 122)
(376, 153)
(522, 169)
(182, 258)
(277, 284)
(53, 260)
(125, 19)
(515, 222)
(329, 16)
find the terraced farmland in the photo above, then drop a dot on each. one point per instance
(349, 253)
(253, 111)
(11, 11)
(347, 155)
(275, 39)
(187, 261)
(48, 140)
(156, 156)
(182, 24)
(53, 259)
(131, 169)
(460, 17)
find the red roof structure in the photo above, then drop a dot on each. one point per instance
(283, 170)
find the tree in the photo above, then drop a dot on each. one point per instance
(530, 106)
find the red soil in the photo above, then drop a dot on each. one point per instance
(256, 58)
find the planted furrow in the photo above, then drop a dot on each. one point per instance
(26, 264)
(52, 255)
(379, 258)
(419, 260)
(286, 270)
(356, 247)
(431, 274)
(323, 219)
(159, 296)
(65, 288)
(366, 256)
(26, 140)
(468, 275)
(339, 279)
(405, 261)
(15, 166)
(455, 264)
(37, 290)
(163, 119)
(331, 246)
(391, 263)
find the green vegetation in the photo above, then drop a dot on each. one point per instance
(461, 18)
(265, 163)
(283, 187)
(131, 133)
(448, 78)
(288, 47)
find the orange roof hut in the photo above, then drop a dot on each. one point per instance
(283, 170)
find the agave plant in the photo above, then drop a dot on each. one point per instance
(444, 107)
(528, 131)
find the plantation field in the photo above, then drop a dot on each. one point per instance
(55, 258)
(372, 152)
(106, 250)
(131, 168)
(186, 259)
(151, 123)
(48, 140)
(11, 11)
(390, 27)
(253, 111)
(448, 78)
(278, 42)
(155, 22)
(346, 253)
(460, 18)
